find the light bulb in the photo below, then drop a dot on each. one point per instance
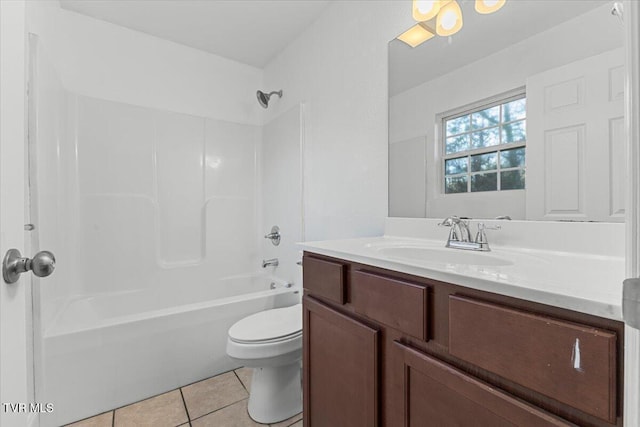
(449, 19)
(423, 10)
(488, 6)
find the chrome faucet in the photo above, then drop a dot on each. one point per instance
(459, 228)
(270, 262)
(460, 236)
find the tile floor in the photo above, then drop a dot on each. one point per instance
(219, 401)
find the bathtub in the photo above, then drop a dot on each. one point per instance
(106, 351)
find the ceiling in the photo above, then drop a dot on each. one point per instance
(248, 31)
(481, 35)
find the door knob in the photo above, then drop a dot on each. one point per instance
(14, 264)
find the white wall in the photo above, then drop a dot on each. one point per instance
(102, 60)
(413, 112)
(338, 67)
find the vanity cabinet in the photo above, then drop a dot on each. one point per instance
(384, 348)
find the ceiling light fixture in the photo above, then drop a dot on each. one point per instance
(417, 35)
(449, 19)
(488, 6)
(443, 15)
(423, 10)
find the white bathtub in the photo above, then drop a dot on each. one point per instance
(103, 352)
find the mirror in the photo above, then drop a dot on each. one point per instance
(520, 113)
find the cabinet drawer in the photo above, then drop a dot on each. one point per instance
(324, 278)
(571, 363)
(438, 394)
(396, 303)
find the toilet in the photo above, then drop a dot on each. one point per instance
(270, 342)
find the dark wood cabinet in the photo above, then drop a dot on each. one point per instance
(383, 348)
(569, 362)
(439, 395)
(399, 304)
(324, 278)
(341, 368)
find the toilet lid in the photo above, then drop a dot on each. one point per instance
(268, 325)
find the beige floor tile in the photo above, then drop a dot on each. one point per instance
(212, 394)
(164, 410)
(298, 424)
(102, 420)
(288, 422)
(245, 375)
(235, 415)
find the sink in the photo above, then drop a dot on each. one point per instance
(443, 256)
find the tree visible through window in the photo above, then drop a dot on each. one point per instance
(484, 148)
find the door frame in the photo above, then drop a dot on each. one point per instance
(631, 18)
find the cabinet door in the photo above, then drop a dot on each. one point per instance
(340, 369)
(572, 363)
(439, 395)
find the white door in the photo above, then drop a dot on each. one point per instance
(16, 390)
(576, 160)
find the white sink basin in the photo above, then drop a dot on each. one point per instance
(443, 256)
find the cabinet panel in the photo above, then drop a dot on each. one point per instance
(571, 363)
(324, 278)
(393, 302)
(340, 369)
(438, 395)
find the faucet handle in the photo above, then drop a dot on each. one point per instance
(448, 221)
(484, 227)
(454, 219)
(481, 236)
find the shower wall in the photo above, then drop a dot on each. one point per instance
(281, 189)
(133, 198)
(162, 196)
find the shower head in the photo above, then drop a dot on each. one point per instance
(263, 98)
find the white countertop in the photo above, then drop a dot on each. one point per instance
(587, 283)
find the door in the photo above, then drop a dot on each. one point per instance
(341, 364)
(437, 394)
(16, 389)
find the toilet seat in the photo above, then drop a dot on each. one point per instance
(269, 326)
(267, 341)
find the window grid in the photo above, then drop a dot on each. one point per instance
(498, 148)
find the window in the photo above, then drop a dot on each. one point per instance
(484, 147)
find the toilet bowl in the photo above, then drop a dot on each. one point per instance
(270, 342)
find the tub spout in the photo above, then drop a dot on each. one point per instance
(270, 262)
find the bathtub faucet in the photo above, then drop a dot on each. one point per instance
(270, 262)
